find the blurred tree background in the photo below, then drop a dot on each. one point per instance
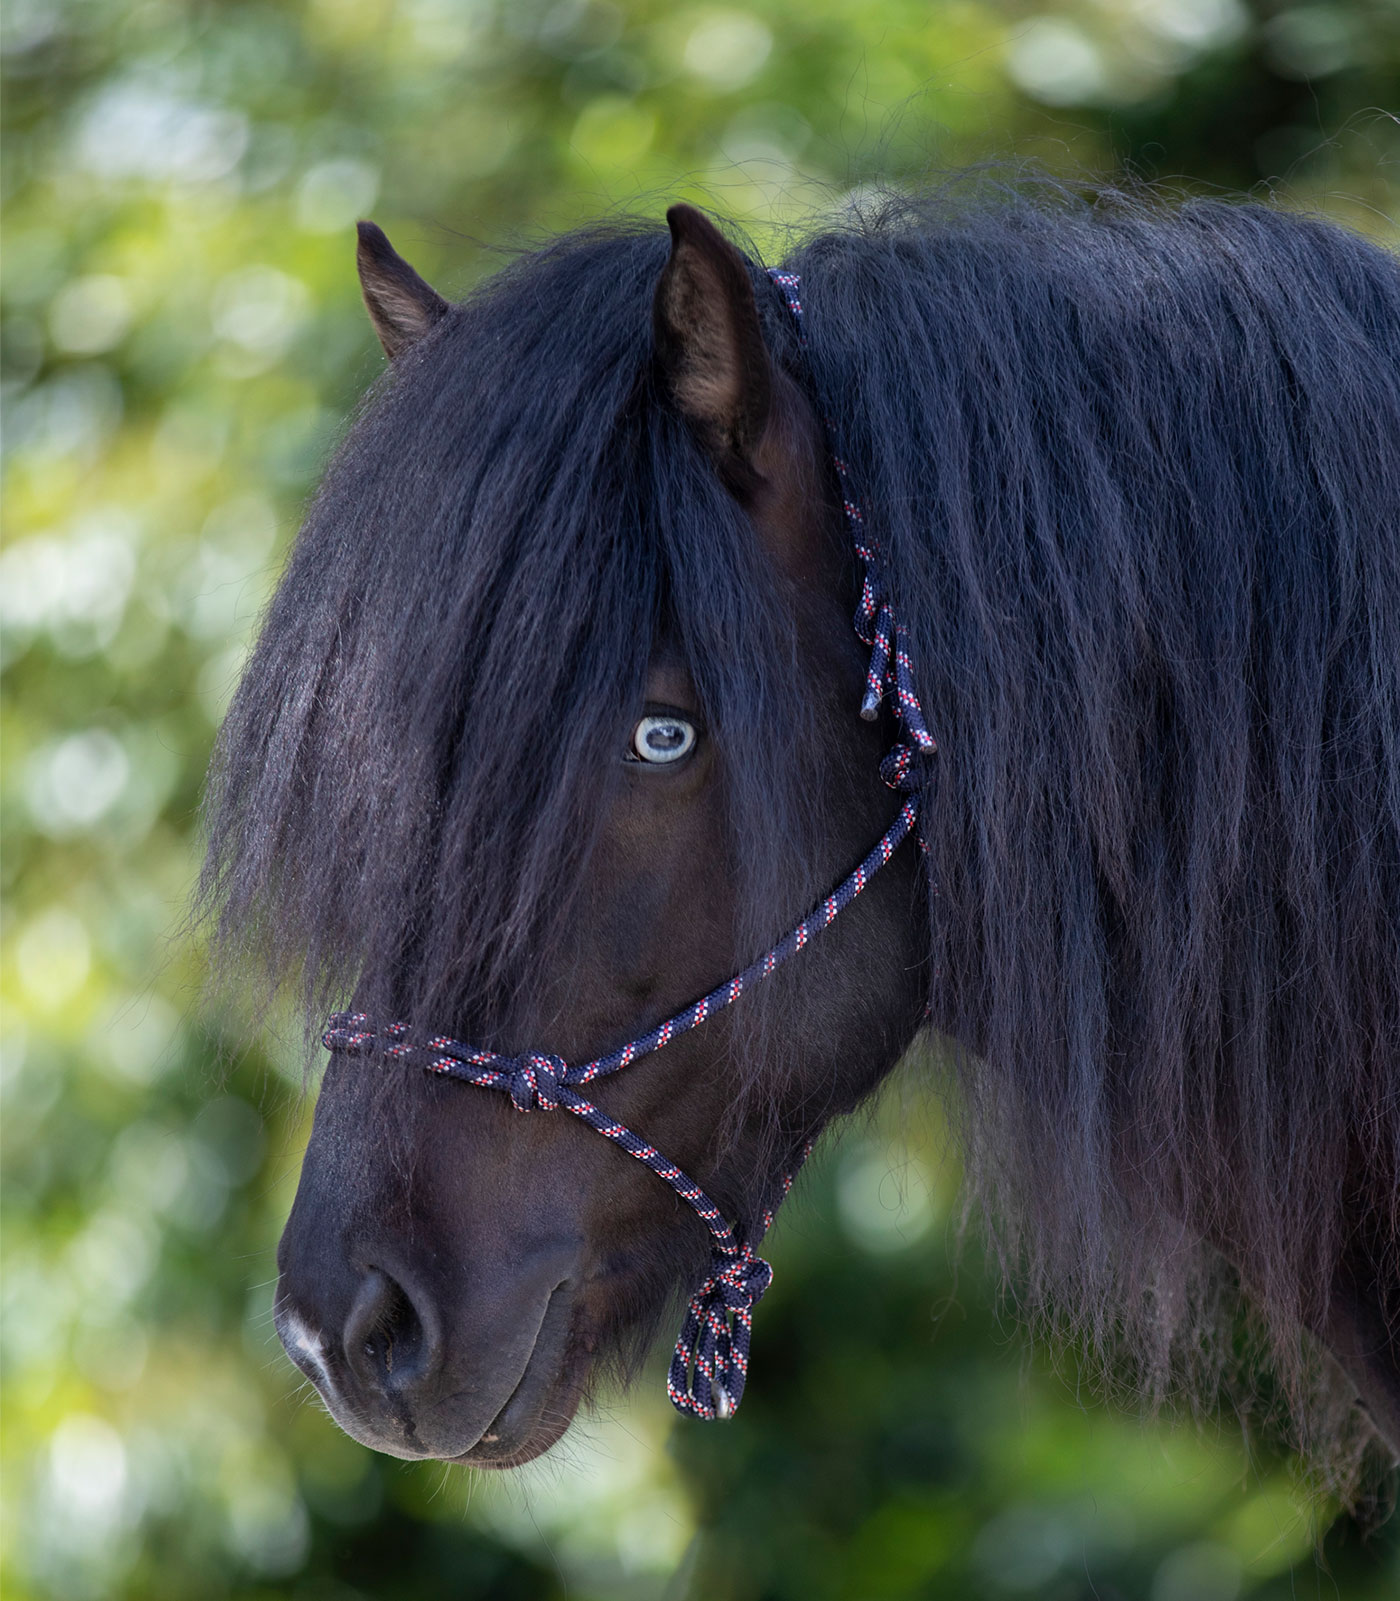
(182, 343)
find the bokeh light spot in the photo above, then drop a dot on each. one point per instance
(333, 194)
(91, 314)
(1057, 62)
(55, 957)
(727, 49)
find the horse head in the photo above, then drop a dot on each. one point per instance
(453, 1271)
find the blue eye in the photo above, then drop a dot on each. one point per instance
(662, 739)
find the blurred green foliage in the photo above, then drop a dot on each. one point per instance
(182, 343)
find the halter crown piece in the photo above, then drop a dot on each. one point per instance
(711, 1360)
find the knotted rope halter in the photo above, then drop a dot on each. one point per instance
(711, 1360)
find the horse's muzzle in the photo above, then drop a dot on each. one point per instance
(473, 1373)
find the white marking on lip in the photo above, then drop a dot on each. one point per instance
(306, 1341)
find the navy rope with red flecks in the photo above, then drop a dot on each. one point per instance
(890, 673)
(710, 1366)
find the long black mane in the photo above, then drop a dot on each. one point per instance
(1138, 473)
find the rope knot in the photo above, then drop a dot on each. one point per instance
(737, 1283)
(534, 1080)
(711, 1360)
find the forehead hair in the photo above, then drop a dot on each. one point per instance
(423, 745)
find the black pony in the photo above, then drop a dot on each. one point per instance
(1136, 476)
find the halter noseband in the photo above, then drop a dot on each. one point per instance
(711, 1359)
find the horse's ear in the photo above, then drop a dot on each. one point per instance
(401, 305)
(709, 347)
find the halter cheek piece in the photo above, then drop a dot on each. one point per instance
(710, 1364)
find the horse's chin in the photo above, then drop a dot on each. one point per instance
(535, 1418)
(499, 1453)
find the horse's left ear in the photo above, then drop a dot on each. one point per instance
(401, 304)
(709, 347)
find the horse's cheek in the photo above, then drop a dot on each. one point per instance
(664, 906)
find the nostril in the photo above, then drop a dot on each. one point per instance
(387, 1344)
